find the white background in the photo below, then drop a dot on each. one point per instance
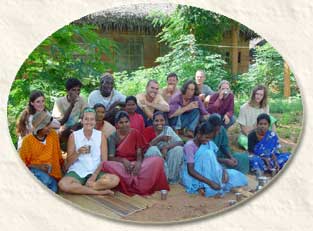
(286, 204)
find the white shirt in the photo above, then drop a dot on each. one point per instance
(87, 163)
(96, 97)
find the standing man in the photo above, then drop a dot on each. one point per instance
(68, 109)
(205, 90)
(171, 87)
(151, 101)
(107, 96)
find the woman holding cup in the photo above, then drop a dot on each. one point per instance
(86, 150)
(222, 102)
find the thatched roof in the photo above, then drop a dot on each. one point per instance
(133, 18)
(128, 18)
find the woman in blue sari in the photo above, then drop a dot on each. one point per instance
(201, 172)
(264, 145)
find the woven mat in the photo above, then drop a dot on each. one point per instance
(117, 206)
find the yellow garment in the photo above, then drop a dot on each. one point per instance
(35, 152)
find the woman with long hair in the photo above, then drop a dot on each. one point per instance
(186, 109)
(249, 112)
(36, 103)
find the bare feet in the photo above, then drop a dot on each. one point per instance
(106, 192)
(218, 196)
(201, 192)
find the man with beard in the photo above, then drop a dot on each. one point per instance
(109, 97)
(171, 87)
(151, 101)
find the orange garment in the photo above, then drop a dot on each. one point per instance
(35, 152)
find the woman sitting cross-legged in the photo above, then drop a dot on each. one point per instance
(138, 175)
(166, 143)
(86, 149)
(202, 172)
(186, 109)
(264, 145)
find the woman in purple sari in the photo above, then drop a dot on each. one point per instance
(264, 145)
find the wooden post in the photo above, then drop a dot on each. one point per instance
(234, 48)
(286, 80)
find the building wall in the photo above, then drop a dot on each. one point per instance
(243, 52)
(138, 49)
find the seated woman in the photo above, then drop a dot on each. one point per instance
(101, 124)
(249, 111)
(166, 143)
(136, 120)
(264, 145)
(186, 109)
(36, 103)
(201, 171)
(41, 151)
(138, 175)
(237, 160)
(86, 149)
(222, 102)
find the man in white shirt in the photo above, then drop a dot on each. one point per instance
(107, 96)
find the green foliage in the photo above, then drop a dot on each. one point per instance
(73, 51)
(268, 69)
(207, 26)
(184, 59)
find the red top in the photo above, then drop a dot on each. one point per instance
(137, 122)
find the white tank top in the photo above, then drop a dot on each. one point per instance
(87, 163)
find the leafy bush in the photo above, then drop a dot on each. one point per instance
(184, 59)
(73, 51)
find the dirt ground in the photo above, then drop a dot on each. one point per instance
(180, 206)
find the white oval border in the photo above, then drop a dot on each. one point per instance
(287, 204)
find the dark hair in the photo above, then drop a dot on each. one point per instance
(21, 124)
(106, 75)
(263, 116)
(263, 102)
(215, 119)
(172, 74)
(98, 105)
(119, 115)
(72, 82)
(155, 114)
(186, 84)
(204, 128)
(131, 98)
(152, 81)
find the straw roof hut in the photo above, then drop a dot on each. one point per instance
(130, 26)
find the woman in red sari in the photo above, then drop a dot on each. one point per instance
(126, 149)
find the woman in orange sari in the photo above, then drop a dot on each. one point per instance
(126, 149)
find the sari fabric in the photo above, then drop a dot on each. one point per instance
(174, 157)
(265, 148)
(206, 164)
(151, 176)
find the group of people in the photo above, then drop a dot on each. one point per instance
(134, 144)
